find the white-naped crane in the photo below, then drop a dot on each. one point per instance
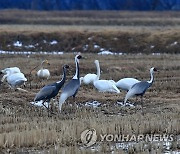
(140, 88)
(72, 87)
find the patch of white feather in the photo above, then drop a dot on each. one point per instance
(39, 103)
(127, 104)
(93, 104)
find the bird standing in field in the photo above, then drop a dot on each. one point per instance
(72, 87)
(140, 88)
(51, 90)
(104, 85)
(43, 73)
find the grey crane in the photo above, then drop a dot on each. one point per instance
(72, 87)
(140, 88)
(51, 90)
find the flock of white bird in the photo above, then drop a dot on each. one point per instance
(134, 87)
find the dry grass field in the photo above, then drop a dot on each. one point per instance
(24, 125)
(25, 128)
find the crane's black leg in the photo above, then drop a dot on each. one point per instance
(44, 104)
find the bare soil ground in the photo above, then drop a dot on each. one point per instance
(23, 122)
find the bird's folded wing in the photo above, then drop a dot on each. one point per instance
(45, 91)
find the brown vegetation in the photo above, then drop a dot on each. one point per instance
(129, 32)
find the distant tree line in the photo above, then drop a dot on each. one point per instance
(141, 5)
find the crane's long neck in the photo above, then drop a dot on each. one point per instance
(98, 71)
(152, 78)
(63, 79)
(76, 76)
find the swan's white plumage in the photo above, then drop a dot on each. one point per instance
(126, 83)
(8, 71)
(16, 79)
(104, 85)
(11, 70)
(43, 73)
(88, 78)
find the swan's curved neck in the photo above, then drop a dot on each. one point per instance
(98, 71)
(152, 78)
(42, 65)
(76, 76)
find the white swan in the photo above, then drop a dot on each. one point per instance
(43, 73)
(126, 83)
(11, 69)
(15, 79)
(88, 78)
(104, 85)
(8, 71)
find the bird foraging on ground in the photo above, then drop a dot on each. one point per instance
(140, 88)
(8, 71)
(88, 78)
(72, 87)
(14, 79)
(51, 90)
